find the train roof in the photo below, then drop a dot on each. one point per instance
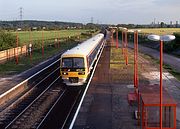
(85, 47)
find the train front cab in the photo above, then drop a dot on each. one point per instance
(73, 70)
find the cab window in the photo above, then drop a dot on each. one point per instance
(67, 62)
(78, 63)
(75, 62)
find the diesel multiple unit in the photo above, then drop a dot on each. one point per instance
(76, 63)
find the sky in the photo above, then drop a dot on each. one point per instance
(100, 11)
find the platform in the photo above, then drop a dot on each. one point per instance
(106, 105)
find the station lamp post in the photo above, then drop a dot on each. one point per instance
(136, 68)
(123, 40)
(135, 56)
(161, 39)
(112, 40)
(114, 30)
(122, 34)
(122, 43)
(125, 44)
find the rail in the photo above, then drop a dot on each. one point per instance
(79, 106)
(19, 88)
(35, 100)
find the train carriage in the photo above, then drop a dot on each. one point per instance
(76, 63)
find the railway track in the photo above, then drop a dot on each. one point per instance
(48, 103)
(41, 102)
(35, 112)
(65, 110)
(61, 111)
(18, 106)
(29, 83)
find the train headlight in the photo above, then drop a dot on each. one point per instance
(64, 73)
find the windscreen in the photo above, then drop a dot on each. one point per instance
(76, 62)
(67, 63)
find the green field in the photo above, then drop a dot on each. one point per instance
(159, 31)
(50, 48)
(26, 36)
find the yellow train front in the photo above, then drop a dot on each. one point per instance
(76, 63)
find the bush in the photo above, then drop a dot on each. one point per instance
(7, 40)
(173, 45)
(177, 40)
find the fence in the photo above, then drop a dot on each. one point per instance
(11, 53)
(37, 44)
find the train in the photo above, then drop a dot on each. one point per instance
(77, 63)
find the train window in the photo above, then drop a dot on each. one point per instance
(78, 63)
(67, 62)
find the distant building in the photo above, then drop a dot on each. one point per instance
(19, 29)
(177, 24)
(34, 28)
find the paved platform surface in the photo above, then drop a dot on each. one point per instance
(105, 105)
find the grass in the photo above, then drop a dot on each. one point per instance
(26, 36)
(159, 31)
(172, 71)
(10, 68)
(115, 55)
(118, 68)
(122, 73)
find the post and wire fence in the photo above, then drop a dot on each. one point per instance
(42, 44)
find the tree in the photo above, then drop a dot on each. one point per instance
(7, 40)
(162, 24)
